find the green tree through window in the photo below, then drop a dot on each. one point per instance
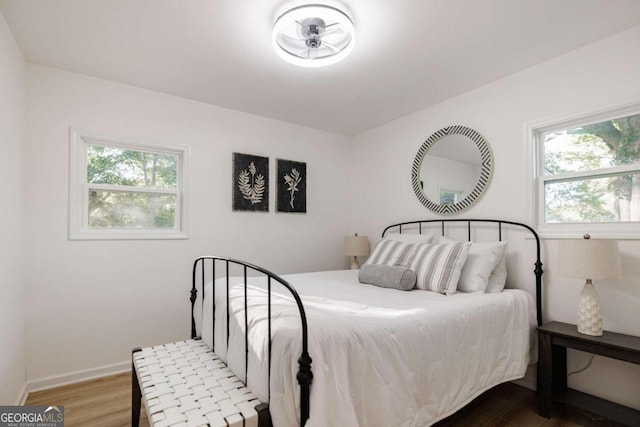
(592, 172)
(117, 169)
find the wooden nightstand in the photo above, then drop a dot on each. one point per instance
(553, 340)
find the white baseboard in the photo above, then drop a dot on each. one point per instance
(74, 377)
(22, 396)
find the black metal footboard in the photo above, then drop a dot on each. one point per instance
(205, 267)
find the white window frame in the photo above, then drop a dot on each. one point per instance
(79, 190)
(533, 130)
(457, 194)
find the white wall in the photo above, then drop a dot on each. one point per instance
(91, 302)
(12, 284)
(584, 79)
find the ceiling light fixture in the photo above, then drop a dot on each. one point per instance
(313, 35)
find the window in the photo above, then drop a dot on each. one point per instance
(588, 172)
(122, 190)
(450, 197)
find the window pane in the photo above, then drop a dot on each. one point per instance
(109, 165)
(610, 199)
(449, 197)
(595, 146)
(115, 209)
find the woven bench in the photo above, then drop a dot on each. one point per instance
(185, 384)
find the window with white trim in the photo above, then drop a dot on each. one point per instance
(124, 190)
(588, 172)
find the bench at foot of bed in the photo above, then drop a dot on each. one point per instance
(185, 384)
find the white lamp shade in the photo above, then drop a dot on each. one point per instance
(356, 246)
(589, 259)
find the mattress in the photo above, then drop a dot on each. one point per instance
(381, 357)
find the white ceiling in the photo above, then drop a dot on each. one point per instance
(409, 54)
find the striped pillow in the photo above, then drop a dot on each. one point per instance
(438, 267)
(391, 252)
(411, 238)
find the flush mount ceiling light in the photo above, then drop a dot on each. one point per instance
(313, 35)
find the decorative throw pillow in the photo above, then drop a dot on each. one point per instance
(481, 262)
(498, 277)
(387, 276)
(411, 238)
(390, 252)
(438, 267)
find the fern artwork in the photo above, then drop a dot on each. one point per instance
(291, 186)
(250, 183)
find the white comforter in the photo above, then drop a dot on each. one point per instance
(381, 357)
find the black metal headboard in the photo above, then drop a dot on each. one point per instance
(538, 264)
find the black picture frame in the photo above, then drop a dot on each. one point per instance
(291, 186)
(250, 183)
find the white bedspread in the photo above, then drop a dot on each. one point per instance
(381, 357)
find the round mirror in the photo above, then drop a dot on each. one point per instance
(452, 169)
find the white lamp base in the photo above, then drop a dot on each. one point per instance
(589, 311)
(355, 265)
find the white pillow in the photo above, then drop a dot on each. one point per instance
(411, 238)
(438, 267)
(481, 263)
(498, 277)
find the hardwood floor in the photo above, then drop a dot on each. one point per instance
(105, 402)
(515, 406)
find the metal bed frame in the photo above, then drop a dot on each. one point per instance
(199, 277)
(205, 267)
(537, 266)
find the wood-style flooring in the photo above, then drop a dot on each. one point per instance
(106, 402)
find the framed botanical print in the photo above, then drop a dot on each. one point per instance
(291, 185)
(250, 183)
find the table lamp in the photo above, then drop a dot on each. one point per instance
(589, 259)
(355, 246)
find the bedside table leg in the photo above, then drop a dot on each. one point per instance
(559, 368)
(545, 374)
